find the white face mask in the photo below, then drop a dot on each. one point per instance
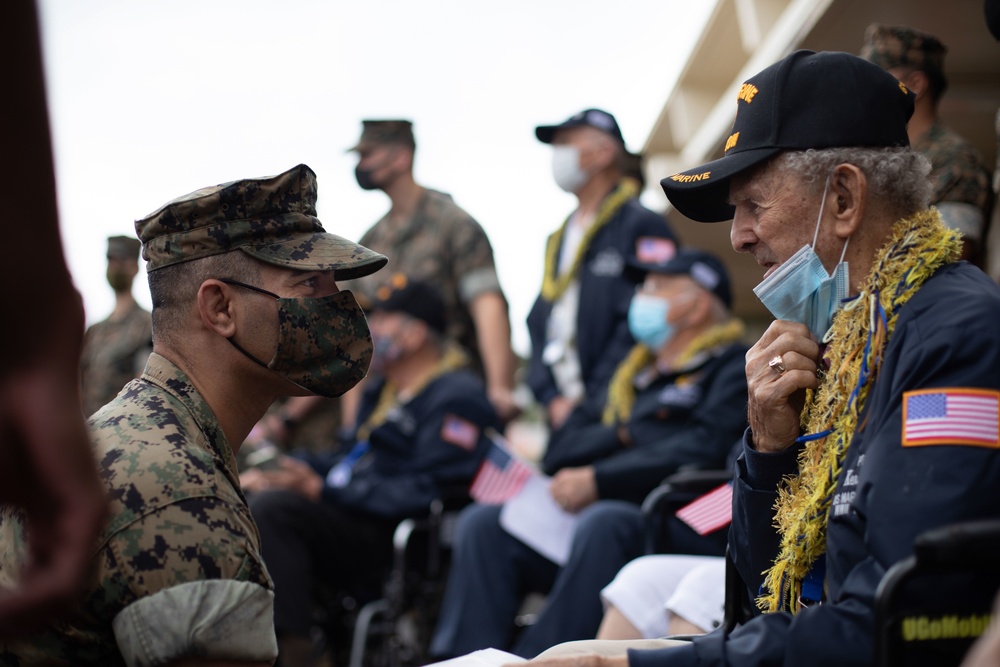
(566, 168)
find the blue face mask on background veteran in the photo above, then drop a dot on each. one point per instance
(800, 290)
(324, 345)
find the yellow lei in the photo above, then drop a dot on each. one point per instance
(621, 389)
(920, 245)
(553, 284)
(452, 359)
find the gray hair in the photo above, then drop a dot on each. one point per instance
(174, 288)
(897, 177)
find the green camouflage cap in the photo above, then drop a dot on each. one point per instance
(123, 247)
(902, 46)
(272, 219)
(380, 132)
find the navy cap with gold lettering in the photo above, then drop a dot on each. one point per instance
(806, 100)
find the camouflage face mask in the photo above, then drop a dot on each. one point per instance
(324, 345)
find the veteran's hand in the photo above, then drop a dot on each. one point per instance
(559, 410)
(574, 488)
(780, 367)
(292, 475)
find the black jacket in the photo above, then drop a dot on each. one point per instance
(947, 336)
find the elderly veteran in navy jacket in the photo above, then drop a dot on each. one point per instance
(578, 324)
(678, 399)
(874, 395)
(420, 436)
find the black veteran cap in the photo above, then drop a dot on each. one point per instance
(417, 299)
(596, 118)
(123, 247)
(382, 132)
(806, 100)
(703, 268)
(272, 219)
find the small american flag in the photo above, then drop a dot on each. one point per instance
(710, 512)
(500, 476)
(951, 417)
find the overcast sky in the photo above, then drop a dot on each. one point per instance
(151, 99)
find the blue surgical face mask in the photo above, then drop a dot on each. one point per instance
(801, 290)
(647, 320)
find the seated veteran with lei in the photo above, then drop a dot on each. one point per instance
(678, 399)
(239, 273)
(873, 396)
(330, 519)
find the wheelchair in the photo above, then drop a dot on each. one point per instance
(389, 623)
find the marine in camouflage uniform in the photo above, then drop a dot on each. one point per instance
(958, 175)
(178, 566)
(439, 243)
(115, 349)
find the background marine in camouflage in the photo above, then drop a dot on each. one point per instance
(958, 175)
(428, 237)
(179, 572)
(115, 349)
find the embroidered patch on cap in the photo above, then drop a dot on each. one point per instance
(951, 416)
(460, 432)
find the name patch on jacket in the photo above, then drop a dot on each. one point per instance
(459, 432)
(680, 394)
(608, 263)
(951, 416)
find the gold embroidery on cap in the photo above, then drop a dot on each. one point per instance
(731, 141)
(747, 92)
(691, 178)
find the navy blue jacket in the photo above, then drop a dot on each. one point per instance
(602, 335)
(431, 445)
(947, 336)
(688, 419)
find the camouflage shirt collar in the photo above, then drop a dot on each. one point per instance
(164, 374)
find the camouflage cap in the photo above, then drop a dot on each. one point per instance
(272, 219)
(380, 132)
(123, 247)
(902, 46)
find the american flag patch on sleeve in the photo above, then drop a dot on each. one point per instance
(460, 432)
(951, 416)
(654, 250)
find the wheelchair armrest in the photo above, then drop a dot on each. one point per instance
(970, 542)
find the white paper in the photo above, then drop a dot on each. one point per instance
(535, 518)
(488, 657)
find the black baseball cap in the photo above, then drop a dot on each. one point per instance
(702, 267)
(596, 118)
(420, 300)
(806, 100)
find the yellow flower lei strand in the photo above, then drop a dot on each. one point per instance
(452, 359)
(919, 246)
(553, 285)
(621, 389)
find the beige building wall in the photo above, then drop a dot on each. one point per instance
(744, 36)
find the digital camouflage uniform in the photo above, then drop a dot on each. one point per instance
(178, 567)
(442, 245)
(113, 353)
(958, 175)
(180, 534)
